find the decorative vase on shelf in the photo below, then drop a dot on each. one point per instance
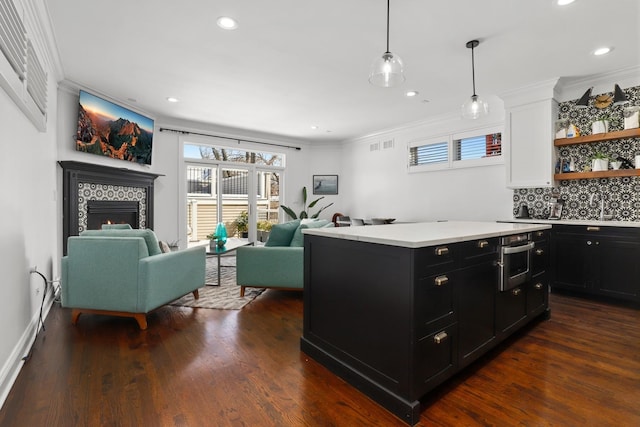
(600, 165)
(600, 126)
(221, 234)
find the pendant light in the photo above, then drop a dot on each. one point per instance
(387, 70)
(474, 107)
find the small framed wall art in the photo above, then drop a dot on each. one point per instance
(325, 184)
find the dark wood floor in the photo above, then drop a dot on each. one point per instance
(199, 367)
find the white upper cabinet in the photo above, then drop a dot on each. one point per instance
(530, 156)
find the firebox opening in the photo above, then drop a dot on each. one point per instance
(112, 212)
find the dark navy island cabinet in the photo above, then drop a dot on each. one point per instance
(395, 322)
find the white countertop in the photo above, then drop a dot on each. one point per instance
(423, 234)
(576, 222)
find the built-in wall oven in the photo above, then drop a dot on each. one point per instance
(515, 260)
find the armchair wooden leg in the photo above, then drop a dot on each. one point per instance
(241, 291)
(196, 294)
(75, 315)
(141, 318)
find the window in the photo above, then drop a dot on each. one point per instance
(478, 147)
(200, 180)
(429, 154)
(482, 147)
(232, 155)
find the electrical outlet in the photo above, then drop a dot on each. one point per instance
(33, 269)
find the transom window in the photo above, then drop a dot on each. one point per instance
(469, 149)
(192, 151)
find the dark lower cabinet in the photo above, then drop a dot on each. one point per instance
(597, 261)
(437, 356)
(397, 322)
(511, 309)
(538, 294)
(476, 295)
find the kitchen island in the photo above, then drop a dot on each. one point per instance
(396, 310)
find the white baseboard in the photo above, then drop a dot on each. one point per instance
(12, 367)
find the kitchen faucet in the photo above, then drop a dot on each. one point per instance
(592, 204)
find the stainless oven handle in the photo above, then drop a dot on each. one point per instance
(507, 250)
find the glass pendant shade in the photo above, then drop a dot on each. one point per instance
(474, 108)
(387, 71)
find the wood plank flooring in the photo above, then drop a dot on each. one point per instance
(200, 367)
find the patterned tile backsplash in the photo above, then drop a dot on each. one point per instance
(622, 195)
(91, 191)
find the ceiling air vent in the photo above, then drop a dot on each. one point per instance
(389, 143)
(374, 147)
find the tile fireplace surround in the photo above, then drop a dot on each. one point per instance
(84, 181)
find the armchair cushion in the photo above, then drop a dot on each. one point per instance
(298, 238)
(281, 234)
(148, 235)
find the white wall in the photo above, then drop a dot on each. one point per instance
(29, 227)
(378, 183)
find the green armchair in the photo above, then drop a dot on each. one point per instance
(279, 264)
(124, 273)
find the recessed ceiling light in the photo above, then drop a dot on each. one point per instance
(227, 23)
(172, 99)
(602, 51)
(314, 127)
(411, 93)
(564, 2)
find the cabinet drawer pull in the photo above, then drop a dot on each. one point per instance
(443, 250)
(441, 280)
(540, 233)
(439, 337)
(593, 228)
(539, 251)
(538, 286)
(483, 244)
(516, 292)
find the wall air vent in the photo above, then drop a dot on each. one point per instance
(374, 147)
(389, 143)
(22, 74)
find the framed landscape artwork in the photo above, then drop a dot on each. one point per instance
(108, 129)
(325, 184)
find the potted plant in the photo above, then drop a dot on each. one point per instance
(304, 212)
(599, 161)
(212, 241)
(242, 224)
(601, 125)
(264, 228)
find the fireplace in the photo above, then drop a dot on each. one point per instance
(101, 212)
(94, 194)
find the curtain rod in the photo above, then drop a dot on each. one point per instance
(185, 132)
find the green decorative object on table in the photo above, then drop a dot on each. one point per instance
(221, 233)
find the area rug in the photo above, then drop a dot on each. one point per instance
(223, 297)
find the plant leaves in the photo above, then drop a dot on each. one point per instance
(289, 212)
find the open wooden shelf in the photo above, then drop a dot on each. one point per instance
(588, 139)
(599, 174)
